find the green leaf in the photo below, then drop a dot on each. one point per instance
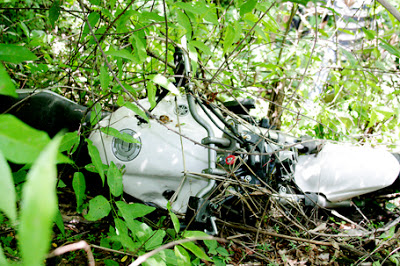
(134, 210)
(201, 46)
(99, 207)
(139, 45)
(137, 110)
(79, 186)
(104, 78)
(114, 180)
(197, 251)
(95, 114)
(70, 142)
(96, 159)
(229, 36)
(123, 53)
(247, 7)
(165, 83)
(390, 48)
(7, 191)
(151, 94)
(352, 59)
(184, 22)
(20, 143)
(3, 260)
(182, 256)
(115, 133)
(155, 240)
(59, 222)
(39, 206)
(7, 87)
(174, 218)
(15, 54)
(54, 12)
(93, 18)
(188, 7)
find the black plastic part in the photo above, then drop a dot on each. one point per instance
(198, 214)
(45, 111)
(264, 122)
(237, 106)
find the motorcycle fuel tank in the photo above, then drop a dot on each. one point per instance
(341, 172)
(154, 167)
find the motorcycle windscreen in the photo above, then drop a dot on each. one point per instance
(341, 172)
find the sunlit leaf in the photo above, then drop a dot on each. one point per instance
(104, 78)
(96, 159)
(247, 6)
(79, 186)
(165, 83)
(123, 53)
(137, 110)
(99, 207)
(93, 18)
(39, 206)
(184, 21)
(7, 87)
(15, 54)
(59, 222)
(182, 256)
(70, 142)
(155, 240)
(7, 191)
(196, 250)
(114, 180)
(19, 142)
(120, 135)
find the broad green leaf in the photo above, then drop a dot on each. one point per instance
(151, 16)
(228, 40)
(79, 186)
(182, 256)
(134, 210)
(126, 241)
(184, 22)
(54, 12)
(104, 78)
(352, 59)
(39, 206)
(114, 180)
(7, 191)
(137, 110)
(165, 83)
(155, 240)
(123, 53)
(93, 18)
(139, 45)
(120, 226)
(197, 251)
(151, 94)
(115, 133)
(15, 54)
(211, 15)
(59, 222)
(7, 87)
(70, 142)
(201, 46)
(247, 6)
(390, 48)
(99, 207)
(20, 143)
(3, 260)
(388, 234)
(96, 159)
(188, 7)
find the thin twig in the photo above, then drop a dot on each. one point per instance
(72, 247)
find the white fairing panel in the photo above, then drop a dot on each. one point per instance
(158, 166)
(341, 172)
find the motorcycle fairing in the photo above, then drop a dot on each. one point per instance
(341, 172)
(158, 167)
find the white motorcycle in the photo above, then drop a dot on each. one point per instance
(199, 156)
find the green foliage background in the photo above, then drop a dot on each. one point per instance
(106, 54)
